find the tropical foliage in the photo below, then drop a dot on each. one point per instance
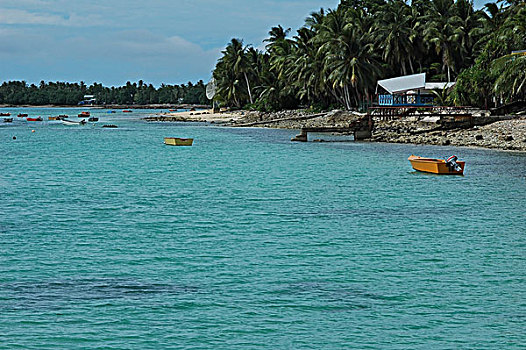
(59, 93)
(338, 55)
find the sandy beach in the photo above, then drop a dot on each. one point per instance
(197, 116)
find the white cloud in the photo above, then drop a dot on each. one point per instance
(131, 55)
(16, 16)
(116, 40)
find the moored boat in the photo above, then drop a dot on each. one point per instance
(8, 120)
(449, 166)
(22, 115)
(93, 119)
(84, 115)
(58, 117)
(72, 123)
(177, 141)
(32, 119)
(5, 114)
(127, 111)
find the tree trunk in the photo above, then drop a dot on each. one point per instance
(248, 87)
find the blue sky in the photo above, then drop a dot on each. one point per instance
(113, 41)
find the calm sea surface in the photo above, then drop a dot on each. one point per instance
(110, 239)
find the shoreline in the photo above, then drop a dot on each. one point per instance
(199, 116)
(111, 106)
(505, 133)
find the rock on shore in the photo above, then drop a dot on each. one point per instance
(504, 135)
(296, 119)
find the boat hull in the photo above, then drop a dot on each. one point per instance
(72, 123)
(55, 118)
(434, 166)
(177, 141)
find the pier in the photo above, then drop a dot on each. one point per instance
(360, 128)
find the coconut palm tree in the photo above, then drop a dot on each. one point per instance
(511, 73)
(395, 35)
(304, 72)
(349, 60)
(234, 66)
(441, 31)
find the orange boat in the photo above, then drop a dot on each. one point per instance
(84, 114)
(450, 166)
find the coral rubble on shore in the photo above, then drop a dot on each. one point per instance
(504, 134)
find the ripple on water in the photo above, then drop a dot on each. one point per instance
(112, 240)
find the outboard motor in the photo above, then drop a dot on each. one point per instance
(452, 164)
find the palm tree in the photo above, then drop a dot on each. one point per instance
(233, 66)
(511, 72)
(467, 31)
(395, 34)
(349, 60)
(278, 36)
(442, 31)
(304, 72)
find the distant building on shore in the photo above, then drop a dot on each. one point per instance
(88, 100)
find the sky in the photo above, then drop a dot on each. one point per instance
(114, 41)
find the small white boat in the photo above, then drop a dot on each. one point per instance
(71, 122)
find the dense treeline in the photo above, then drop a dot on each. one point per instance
(336, 58)
(59, 93)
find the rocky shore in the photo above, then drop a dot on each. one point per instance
(507, 134)
(503, 133)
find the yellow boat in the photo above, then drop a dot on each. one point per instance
(449, 166)
(177, 141)
(58, 117)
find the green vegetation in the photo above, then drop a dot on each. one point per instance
(336, 58)
(18, 93)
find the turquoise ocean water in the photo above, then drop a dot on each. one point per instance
(111, 240)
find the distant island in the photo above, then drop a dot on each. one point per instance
(19, 93)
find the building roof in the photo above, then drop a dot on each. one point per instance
(405, 83)
(411, 82)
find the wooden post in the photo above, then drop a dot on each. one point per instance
(302, 137)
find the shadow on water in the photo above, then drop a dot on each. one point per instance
(332, 297)
(37, 293)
